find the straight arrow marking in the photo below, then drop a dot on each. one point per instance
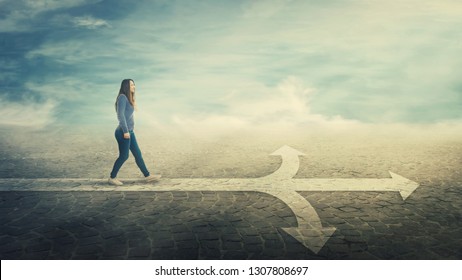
(396, 183)
(264, 184)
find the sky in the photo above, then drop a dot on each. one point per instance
(222, 64)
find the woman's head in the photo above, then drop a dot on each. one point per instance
(127, 88)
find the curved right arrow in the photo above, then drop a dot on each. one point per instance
(309, 231)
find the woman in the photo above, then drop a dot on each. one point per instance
(125, 106)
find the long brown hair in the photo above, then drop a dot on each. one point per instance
(125, 90)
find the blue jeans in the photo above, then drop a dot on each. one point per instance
(124, 146)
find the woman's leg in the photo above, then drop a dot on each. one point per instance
(137, 154)
(124, 146)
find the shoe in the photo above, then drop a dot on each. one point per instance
(152, 178)
(115, 182)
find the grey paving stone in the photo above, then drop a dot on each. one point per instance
(89, 250)
(162, 243)
(109, 234)
(12, 255)
(138, 233)
(64, 255)
(14, 231)
(350, 232)
(64, 241)
(210, 244)
(5, 240)
(90, 240)
(143, 251)
(138, 242)
(95, 256)
(236, 255)
(231, 237)
(250, 240)
(200, 229)
(273, 244)
(429, 218)
(271, 236)
(115, 241)
(231, 245)
(86, 232)
(211, 235)
(184, 236)
(11, 247)
(55, 234)
(40, 255)
(115, 251)
(179, 228)
(187, 244)
(210, 253)
(271, 253)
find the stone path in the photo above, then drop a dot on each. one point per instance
(222, 225)
(139, 224)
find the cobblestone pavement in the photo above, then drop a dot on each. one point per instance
(231, 224)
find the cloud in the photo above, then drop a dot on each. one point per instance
(27, 114)
(368, 62)
(62, 89)
(76, 105)
(263, 8)
(73, 52)
(48, 5)
(8, 70)
(21, 15)
(263, 63)
(280, 108)
(90, 22)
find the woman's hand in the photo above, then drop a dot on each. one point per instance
(127, 135)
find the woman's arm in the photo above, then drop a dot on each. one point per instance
(121, 104)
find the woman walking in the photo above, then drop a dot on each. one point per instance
(125, 106)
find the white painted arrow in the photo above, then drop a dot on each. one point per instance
(396, 183)
(289, 166)
(309, 231)
(280, 184)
